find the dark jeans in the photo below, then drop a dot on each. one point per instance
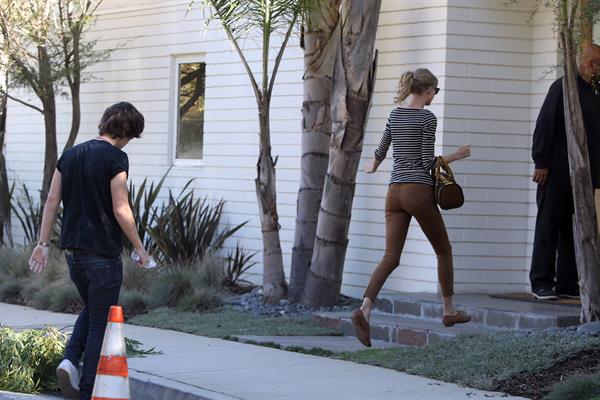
(98, 280)
(553, 249)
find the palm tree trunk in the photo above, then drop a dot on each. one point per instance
(321, 40)
(586, 236)
(274, 284)
(353, 83)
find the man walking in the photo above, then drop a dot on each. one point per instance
(90, 180)
(553, 269)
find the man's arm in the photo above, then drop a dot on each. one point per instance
(544, 133)
(124, 215)
(39, 256)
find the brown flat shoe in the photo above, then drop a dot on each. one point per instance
(458, 318)
(361, 327)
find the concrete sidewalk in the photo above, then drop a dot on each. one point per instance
(195, 367)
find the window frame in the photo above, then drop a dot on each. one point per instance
(176, 61)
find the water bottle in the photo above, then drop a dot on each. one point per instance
(149, 264)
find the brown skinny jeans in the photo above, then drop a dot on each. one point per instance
(404, 201)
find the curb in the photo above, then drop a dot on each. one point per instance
(145, 386)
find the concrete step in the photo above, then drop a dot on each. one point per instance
(484, 310)
(402, 330)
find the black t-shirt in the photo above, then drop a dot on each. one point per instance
(89, 223)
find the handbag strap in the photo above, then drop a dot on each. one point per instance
(442, 164)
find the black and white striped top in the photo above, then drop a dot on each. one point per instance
(412, 133)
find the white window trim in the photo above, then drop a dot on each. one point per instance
(177, 59)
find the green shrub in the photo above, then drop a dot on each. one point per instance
(237, 263)
(65, 297)
(29, 359)
(11, 289)
(52, 289)
(28, 212)
(576, 388)
(186, 228)
(191, 286)
(144, 213)
(136, 278)
(134, 302)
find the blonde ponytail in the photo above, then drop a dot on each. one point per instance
(415, 82)
(405, 87)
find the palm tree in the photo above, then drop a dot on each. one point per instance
(353, 83)
(241, 18)
(321, 41)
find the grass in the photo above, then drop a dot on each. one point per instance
(576, 388)
(313, 351)
(477, 361)
(226, 322)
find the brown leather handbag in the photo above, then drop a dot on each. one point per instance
(448, 193)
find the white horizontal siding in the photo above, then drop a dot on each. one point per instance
(486, 56)
(495, 52)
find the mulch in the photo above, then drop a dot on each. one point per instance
(538, 384)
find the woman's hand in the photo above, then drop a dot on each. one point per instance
(39, 258)
(372, 166)
(463, 151)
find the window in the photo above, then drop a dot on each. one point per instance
(189, 114)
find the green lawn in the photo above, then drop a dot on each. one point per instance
(227, 322)
(474, 361)
(477, 361)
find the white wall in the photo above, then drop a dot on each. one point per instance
(495, 53)
(485, 55)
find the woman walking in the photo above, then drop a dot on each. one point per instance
(411, 132)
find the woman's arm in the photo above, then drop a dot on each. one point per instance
(463, 151)
(381, 151)
(39, 256)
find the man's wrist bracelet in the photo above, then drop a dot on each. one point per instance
(43, 244)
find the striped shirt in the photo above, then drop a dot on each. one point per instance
(411, 131)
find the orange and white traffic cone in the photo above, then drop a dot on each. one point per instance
(112, 376)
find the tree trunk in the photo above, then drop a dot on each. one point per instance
(321, 40)
(586, 236)
(49, 106)
(4, 188)
(74, 80)
(75, 116)
(353, 83)
(274, 284)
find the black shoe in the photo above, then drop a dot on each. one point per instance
(570, 295)
(544, 294)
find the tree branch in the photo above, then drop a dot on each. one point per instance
(22, 102)
(280, 54)
(257, 91)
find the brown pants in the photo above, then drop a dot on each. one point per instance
(403, 201)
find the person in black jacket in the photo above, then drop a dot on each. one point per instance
(553, 269)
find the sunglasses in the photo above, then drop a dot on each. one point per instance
(437, 90)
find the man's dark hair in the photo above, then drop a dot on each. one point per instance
(121, 120)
